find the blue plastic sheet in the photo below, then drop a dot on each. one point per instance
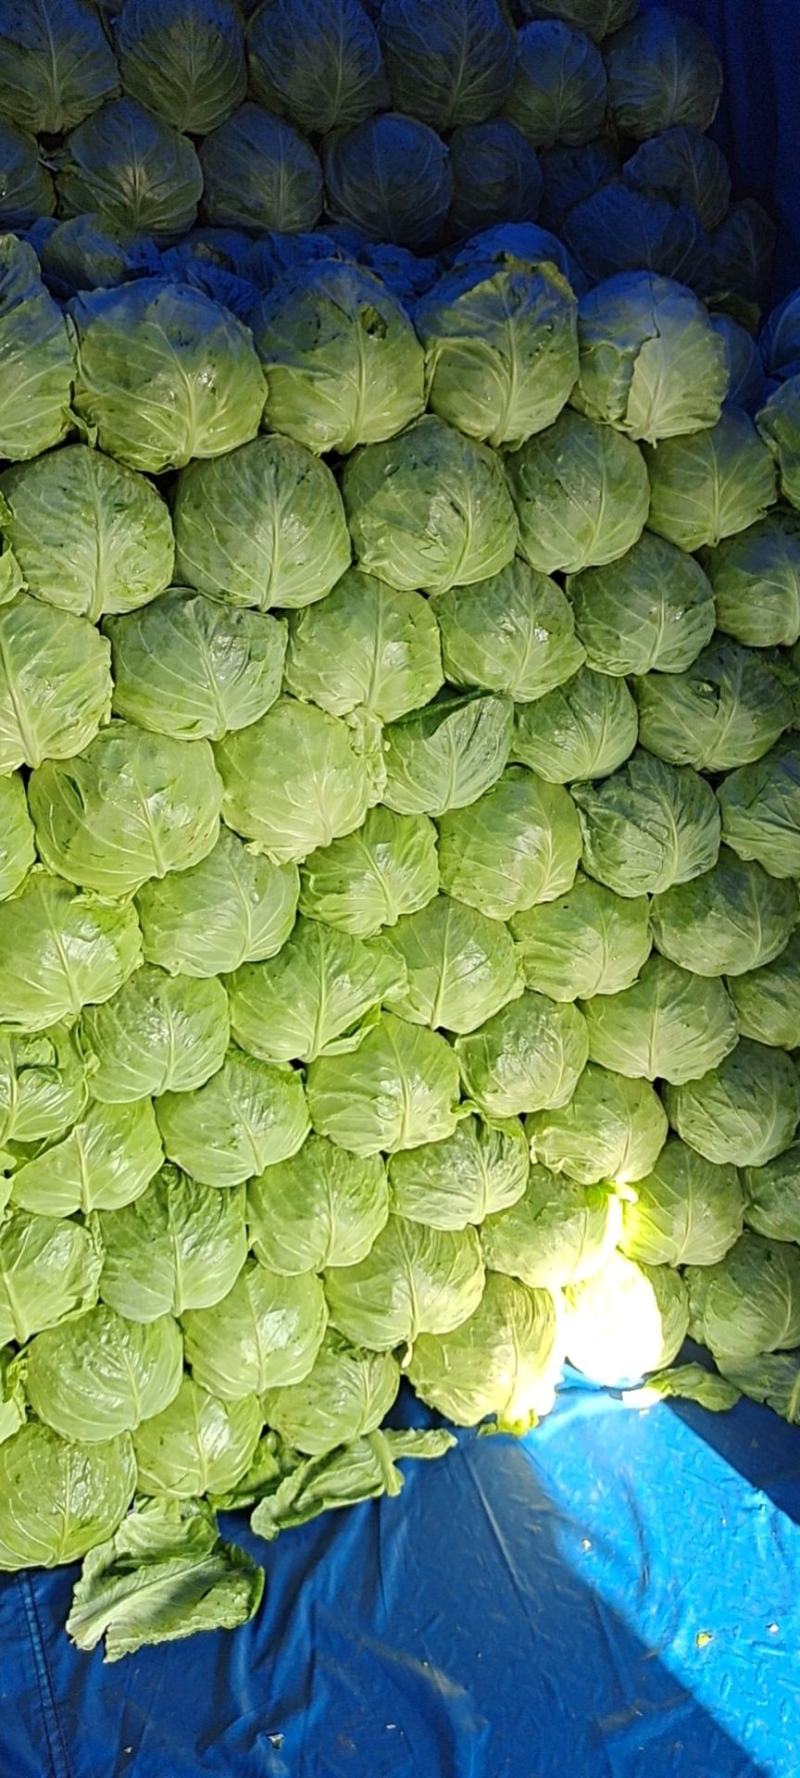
(614, 1597)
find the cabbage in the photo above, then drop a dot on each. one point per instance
(625, 1321)
(478, 1171)
(321, 1207)
(518, 844)
(98, 1375)
(265, 1334)
(49, 1270)
(501, 354)
(581, 494)
(618, 229)
(742, 1113)
(772, 1196)
(59, 949)
(779, 340)
(652, 608)
(429, 509)
(108, 1159)
(447, 755)
(414, 1280)
(755, 577)
(528, 1057)
(398, 1090)
(746, 381)
(246, 1117)
(669, 1024)
(572, 174)
(56, 65)
(710, 485)
(513, 632)
(687, 1212)
(612, 1128)
(366, 647)
(159, 1032)
(186, 65)
(742, 255)
(390, 177)
(164, 374)
(55, 683)
(687, 167)
(264, 526)
(453, 966)
(189, 667)
(297, 779)
(60, 1499)
(449, 62)
(662, 71)
(586, 728)
(556, 1233)
(258, 172)
(505, 1359)
(588, 942)
(317, 62)
(344, 1397)
(42, 1085)
(92, 252)
(197, 1444)
(749, 1303)
(760, 808)
(234, 907)
(129, 166)
(649, 826)
(316, 997)
(496, 176)
(371, 878)
(37, 356)
(727, 710)
(559, 88)
(520, 243)
(131, 806)
(26, 190)
(89, 535)
(767, 998)
(650, 361)
(596, 17)
(343, 364)
(731, 919)
(178, 1246)
(779, 425)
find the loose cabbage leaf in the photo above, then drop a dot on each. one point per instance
(360, 1471)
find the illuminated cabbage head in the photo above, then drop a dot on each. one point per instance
(158, 1033)
(400, 1088)
(557, 1233)
(731, 919)
(772, 1196)
(370, 878)
(587, 942)
(585, 728)
(612, 1128)
(650, 361)
(648, 826)
(59, 1498)
(512, 633)
(414, 1280)
(687, 1212)
(505, 1360)
(447, 754)
(345, 1396)
(98, 943)
(767, 999)
(317, 997)
(651, 609)
(265, 1334)
(55, 683)
(197, 1445)
(626, 1320)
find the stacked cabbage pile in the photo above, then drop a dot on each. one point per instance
(399, 782)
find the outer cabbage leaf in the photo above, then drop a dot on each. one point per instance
(726, 711)
(190, 667)
(48, 1270)
(557, 1233)
(749, 1303)
(650, 360)
(56, 65)
(187, 65)
(164, 374)
(669, 1025)
(625, 1321)
(180, 1246)
(731, 919)
(247, 1116)
(367, 880)
(649, 826)
(528, 1057)
(390, 178)
(259, 172)
(344, 1397)
(414, 1280)
(131, 806)
(479, 1170)
(398, 1090)
(316, 62)
(596, 17)
(756, 580)
(58, 1500)
(323, 1207)
(55, 683)
(367, 646)
(60, 950)
(158, 1033)
(262, 526)
(571, 173)
(197, 1445)
(662, 71)
(742, 258)
(586, 728)
(89, 534)
(513, 633)
(746, 380)
(98, 1375)
(125, 163)
(316, 997)
(343, 364)
(107, 1159)
(559, 88)
(363, 1470)
(773, 1378)
(760, 806)
(687, 1212)
(710, 484)
(744, 1112)
(453, 966)
(298, 779)
(504, 1360)
(767, 999)
(612, 1128)
(581, 494)
(17, 852)
(588, 942)
(234, 907)
(652, 608)
(449, 62)
(265, 1334)
(520, 843)
(446, 755)
(37, 356)
(779, 425)
(429, 509)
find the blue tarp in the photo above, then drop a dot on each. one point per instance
(618, 1596)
